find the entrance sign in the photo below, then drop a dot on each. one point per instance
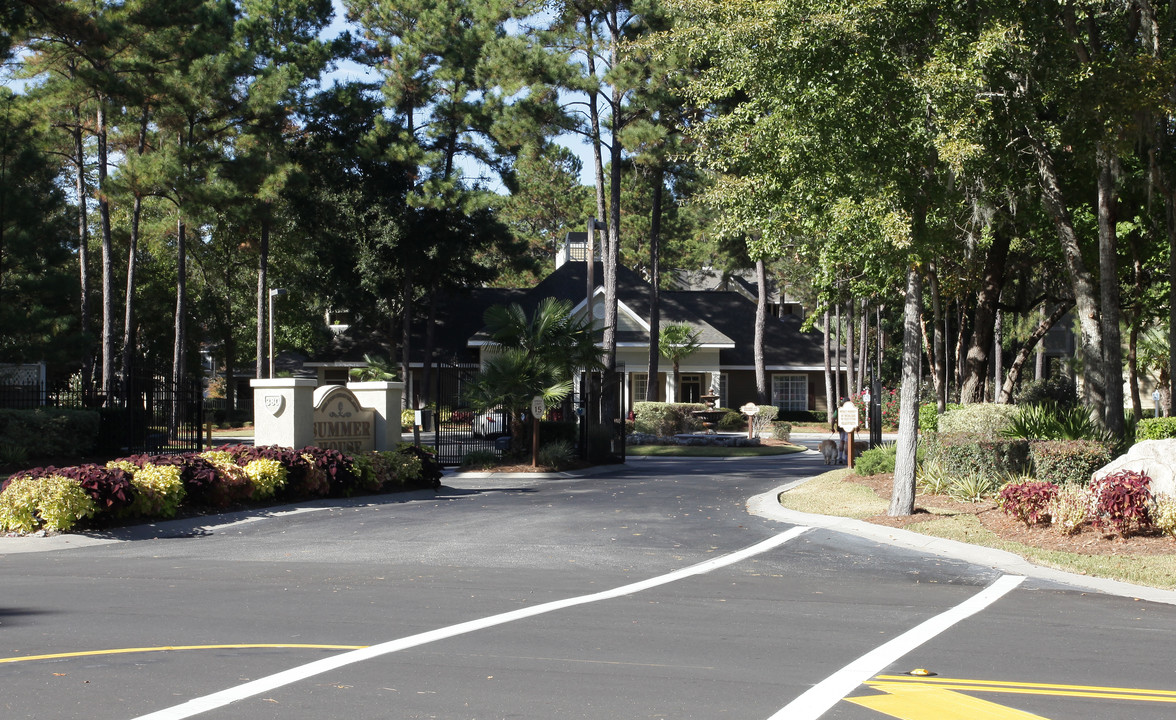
(847, 417)
(749, 409)
(341, 423)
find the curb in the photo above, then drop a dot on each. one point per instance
(768, 505)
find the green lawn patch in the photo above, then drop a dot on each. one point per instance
(829, 494)
(1152, 570)
(711, 451)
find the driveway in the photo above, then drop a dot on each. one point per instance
(647, 592)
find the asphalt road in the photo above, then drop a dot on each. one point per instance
(558, 598)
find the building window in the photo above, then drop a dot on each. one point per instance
(640, 385)
(723, 390)
(790, 392)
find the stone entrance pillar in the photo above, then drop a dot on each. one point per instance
(384, 398)
(283, 412)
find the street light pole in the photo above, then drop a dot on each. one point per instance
(273, 294)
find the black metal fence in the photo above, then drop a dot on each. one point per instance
(152, 415)
(458, 429)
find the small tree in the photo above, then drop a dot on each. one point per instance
(678, 341)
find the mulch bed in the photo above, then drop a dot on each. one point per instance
(1088, 541)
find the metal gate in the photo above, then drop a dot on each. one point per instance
(457, 428)
(157, 416)
(601, 441)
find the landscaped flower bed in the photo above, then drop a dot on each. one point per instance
(144, 487)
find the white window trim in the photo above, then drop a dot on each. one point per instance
(778, 401)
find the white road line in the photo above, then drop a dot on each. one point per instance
(817, 700)
(286, 677)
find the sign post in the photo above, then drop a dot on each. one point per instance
(538, 407)
(750, 410)
(847, 420)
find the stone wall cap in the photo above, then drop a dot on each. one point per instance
(275, 383)
(375, 385)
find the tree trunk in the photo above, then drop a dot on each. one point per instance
(902, 499)
(863, 343)
(107, 256)
(608, 405)
(430, 344)
(997, 355)
(651, 384)
(181, 303)
(1170, 200)
(1039, 363)
(837, 359)
(829, 401)
(961, 313)
(761, 312)
(406, 343)
(262, 295)
(1085, 302)
(938, 340)
(128, 348)
(1034, 340)
(83, 253)
(984, 320)
(1109, 291)
(850, 366)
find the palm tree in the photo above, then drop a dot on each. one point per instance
(536, 355)
(510, 379)
(375, 368)
(551, 333)
(678, 341)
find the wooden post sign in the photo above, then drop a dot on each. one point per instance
(750, 410)
(538, 407)
(848, 420)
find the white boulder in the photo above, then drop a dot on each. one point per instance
(1154, 458)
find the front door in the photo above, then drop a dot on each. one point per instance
(691, 388)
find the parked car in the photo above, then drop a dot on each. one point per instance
(490, 424)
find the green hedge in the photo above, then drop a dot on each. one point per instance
(1155, 429)
(929, 415)
(804, 416)
(1067, 461)
(963, 453)
(51, 431)
(981, 420)
(877, 460)
(782, 430)
(665, 419)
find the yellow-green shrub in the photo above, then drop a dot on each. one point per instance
(266, 476)
(1070, 508)
(1164, 515)
(54, 501)
(158, 491)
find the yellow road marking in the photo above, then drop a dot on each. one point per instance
(1020, 688)
(122, 651)
(908, 701)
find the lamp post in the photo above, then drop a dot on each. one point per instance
(273, 293)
